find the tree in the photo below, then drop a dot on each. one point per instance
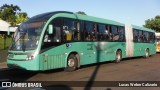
(21, 17)
(153, 23)
(81, 12)
(8, 12)
(12, 14)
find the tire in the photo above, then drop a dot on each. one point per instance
(72, 63)
(118, 56)
(147, 53)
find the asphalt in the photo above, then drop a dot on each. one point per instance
(87, 77)
(3, 58)
(3, 65)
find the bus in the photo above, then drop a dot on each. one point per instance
(157, 42)
(68, 40)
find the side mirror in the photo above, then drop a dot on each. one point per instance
(50, 29)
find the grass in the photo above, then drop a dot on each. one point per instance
(8, 41)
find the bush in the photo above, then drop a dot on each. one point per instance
(2, 44)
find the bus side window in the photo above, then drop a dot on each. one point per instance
(88, 31)
(114, 33)
(56, 36)
(140, 36)
(121, 33)
(152, 37)
(146, 37)
(68, 29)
(103, 32)
(135, 35)
(76, 32)
(94, 32)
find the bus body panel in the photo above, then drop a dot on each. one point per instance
(22, 63)
(89, 52)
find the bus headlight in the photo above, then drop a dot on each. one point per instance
(30, 56)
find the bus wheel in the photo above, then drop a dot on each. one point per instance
(147, 53)
(118, 56)
(71, 63)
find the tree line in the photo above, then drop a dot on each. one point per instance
(14, 15)
(153, 23)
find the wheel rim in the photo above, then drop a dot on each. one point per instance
(71, 62)
(147, 53)
(118, 56)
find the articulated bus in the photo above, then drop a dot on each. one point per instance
(157, 42)
(67, 40)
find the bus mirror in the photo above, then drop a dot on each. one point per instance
(50, 29)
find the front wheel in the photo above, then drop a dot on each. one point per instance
(118, 56)
(71, 63)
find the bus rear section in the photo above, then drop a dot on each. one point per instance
(140, 41)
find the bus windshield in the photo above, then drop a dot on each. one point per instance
(27, 36)
(28, 33)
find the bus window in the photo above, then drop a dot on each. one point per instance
(94, 32)
(103, 32)
(140, 36)
(55, 38)
(135, 35)
(68, 29)
(88, 31)
(146, 37)
(82, 30)
(121, 33)
(76, 32)
(114, 36)
(57, 30)
(152, 37)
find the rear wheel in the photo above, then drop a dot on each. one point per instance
(118, 56)
(147, 53)
(72, 63)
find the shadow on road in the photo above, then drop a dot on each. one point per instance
(94, 74)
(15, 75)
(22, 76)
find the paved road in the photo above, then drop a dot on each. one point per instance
(3, 55)
(135, 69)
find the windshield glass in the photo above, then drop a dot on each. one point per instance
(27, 36)
(28, 33)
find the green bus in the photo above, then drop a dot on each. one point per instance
(68, 40)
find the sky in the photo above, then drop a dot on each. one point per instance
(125, 11)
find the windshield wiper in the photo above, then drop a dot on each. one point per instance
(14, 45)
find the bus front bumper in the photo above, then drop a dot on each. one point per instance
(25, 65)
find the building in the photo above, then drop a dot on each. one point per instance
(5, 26)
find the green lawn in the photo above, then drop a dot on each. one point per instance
(8, 40)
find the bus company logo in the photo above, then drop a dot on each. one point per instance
(14, 84)
(6, 84)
